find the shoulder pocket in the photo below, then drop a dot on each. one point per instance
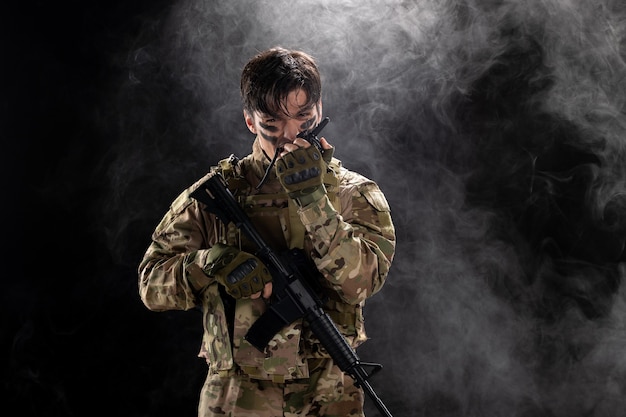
(375, 197)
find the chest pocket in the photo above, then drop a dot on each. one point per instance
(273, 212)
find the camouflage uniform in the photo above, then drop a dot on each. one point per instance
(350, 237)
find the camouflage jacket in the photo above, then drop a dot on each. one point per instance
(348, 234)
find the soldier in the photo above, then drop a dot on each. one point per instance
(340, 219)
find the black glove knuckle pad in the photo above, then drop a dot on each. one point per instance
(300, 173)
(302, 176)
(242, 273)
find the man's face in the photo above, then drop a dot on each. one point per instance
(275, 131)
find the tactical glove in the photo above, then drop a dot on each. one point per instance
(301, 173)
(242, 273)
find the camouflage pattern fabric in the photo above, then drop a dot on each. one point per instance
(348, 234)
(328, 392)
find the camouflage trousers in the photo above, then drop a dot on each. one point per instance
(328, 392)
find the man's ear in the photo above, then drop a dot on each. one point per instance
(249, 122)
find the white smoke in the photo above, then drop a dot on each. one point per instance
(426, 97)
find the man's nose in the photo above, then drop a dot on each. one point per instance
(292, 128)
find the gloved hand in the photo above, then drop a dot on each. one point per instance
(242, 273)
(301, 173)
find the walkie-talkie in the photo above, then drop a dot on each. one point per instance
(311, 136)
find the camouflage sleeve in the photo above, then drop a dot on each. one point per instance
(170, 273)
(355, 247)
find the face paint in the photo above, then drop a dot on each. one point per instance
(271, 139)
(267, 127)
(307, 125)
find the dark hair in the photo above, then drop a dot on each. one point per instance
(269, 77)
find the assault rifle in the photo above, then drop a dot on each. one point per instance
(293, 294)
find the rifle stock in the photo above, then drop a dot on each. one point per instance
(293, 295)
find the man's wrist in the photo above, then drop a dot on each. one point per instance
(306, 199)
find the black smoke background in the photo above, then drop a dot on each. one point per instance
(495, 128)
